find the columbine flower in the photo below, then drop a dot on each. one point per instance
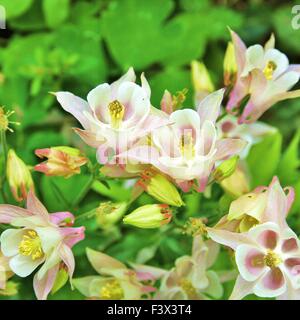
(252, 208)
(264, 77)
(62, 161)
(108, 213)
(190, 279)
(115, 282)
(18, 176)
(268, 255)
(39, 241)
(188, 149)
(160, 188)
(115, 116)
(149, 216)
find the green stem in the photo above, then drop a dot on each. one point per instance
(86, 215)
(83, 192)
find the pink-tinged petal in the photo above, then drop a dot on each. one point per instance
(145, 85)
(209, 107)
(214, 250)
(230, 239)
(241, 289)
(277, 204)
(240, 90)
(8, 213)
(289, 245)
(228, 147)
(34, 205)
(268, 239)
(141, 154)
(272, 284)
(99, 99)
(153, 121)
(185, 186)
(129, 76)
(185, 121)
(74, 105)
(67, 257)
(294, 67)
(250, 262)
(72, 235)
(145, 273)
(239, 50)
(265, 234)
(62, 219)
(290, 195)
(270, 44)
(166, 103)
(99, 261)
(90, 138)
(208, 138)
(43, 286)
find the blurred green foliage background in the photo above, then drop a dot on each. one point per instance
(52, 45)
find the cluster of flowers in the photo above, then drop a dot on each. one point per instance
(162, 150)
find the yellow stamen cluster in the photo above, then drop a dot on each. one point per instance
(31, 245)
(117, 111)
(187, 145)
(272, 260)
(269, 70)
(188, 288)
(195, 227)
(112, 291)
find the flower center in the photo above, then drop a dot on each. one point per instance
(116, 111)
(187, 145)
(112, 291)
(188, 288)
(30, 245)
(272, 259)
(269, 70)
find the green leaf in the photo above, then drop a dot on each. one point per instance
(15, 8)
(289, 163)
(56, 11)
(263, 159)
(112, 190)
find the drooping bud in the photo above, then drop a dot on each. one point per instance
(62, 161)
(225, 169)
(230, 66)
(18, 176)
(160, 188)
(237, 184)
(108, 213)
(149, 216)
(201, 80)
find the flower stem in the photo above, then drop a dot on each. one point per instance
(83, 192)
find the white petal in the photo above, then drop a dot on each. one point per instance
(254, 59)
(10, 240)
(280, 59)
(23, 266)
(50, 237)
(98, 99)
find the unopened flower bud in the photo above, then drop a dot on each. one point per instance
(160, 188)
(62, 161)
(225, 169)
(108, 213)
(230, 66)
(61, 279)
(18, 176)
(149, 216)
(201, 77)
(237, 184)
